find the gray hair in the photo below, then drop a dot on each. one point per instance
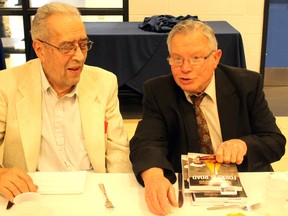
(189, 26)
(39, 29)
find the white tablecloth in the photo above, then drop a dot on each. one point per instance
(128, 197)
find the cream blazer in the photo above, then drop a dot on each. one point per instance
(20, 118)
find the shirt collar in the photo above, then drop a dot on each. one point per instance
(210, 90)
(46, 87)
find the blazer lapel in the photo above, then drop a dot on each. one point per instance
(189, 119)
(228, 105)
(29, 114)
(92, 118)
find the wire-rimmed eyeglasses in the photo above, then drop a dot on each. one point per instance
(69, 48)
(195, 60)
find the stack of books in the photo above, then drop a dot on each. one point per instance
(210, 182)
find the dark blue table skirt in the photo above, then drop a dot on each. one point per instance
(135, 55)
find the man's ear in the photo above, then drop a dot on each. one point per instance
(217, 56)
(39, 49)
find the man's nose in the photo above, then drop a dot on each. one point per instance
(186, 66)
(78, 53)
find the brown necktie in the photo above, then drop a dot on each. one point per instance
(203, 131)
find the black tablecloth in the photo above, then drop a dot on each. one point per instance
(2, 57)
(135, 55)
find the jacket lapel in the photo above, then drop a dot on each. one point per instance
(29, 112)
(92, 118)
(228, 105)
(189, 119)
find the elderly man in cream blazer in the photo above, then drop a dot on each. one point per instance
(57, 114)
(21, 118)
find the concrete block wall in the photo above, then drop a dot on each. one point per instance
(244, 15)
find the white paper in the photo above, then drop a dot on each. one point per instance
(60, 182)
(280, 175)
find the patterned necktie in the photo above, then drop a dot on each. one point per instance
(203, 131)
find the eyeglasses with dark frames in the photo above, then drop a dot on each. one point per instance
(69, 48)
(195, 60)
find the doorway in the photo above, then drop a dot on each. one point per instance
(274, 59)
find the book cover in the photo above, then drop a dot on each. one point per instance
(205, 174)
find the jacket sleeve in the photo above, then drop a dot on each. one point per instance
(149, 146)
(266, 144)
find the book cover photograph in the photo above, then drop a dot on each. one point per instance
(205, 174)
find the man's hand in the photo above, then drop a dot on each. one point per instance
(14, 181)
(231, 151)
(159, 192)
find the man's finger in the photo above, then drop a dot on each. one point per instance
(172, 196)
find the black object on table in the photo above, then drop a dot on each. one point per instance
(2, 56)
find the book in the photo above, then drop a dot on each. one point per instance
(216, 198)
(205, 174)
(184, 166)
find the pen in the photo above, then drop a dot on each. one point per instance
(180, 192)
(208, 157)
(9, 205)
